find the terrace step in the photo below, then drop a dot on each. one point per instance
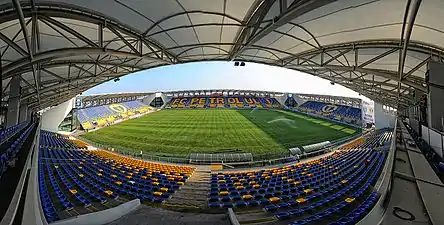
(194, 192)
(195, 188)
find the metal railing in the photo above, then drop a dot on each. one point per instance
(383, 185)
(159, 157)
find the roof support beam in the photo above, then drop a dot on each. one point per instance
(21, 18)
(297, 9)
(69, 30)
(60, 63)
(27, 83)
(29, 46)
(336, 56)
(35, 44)
(84, 70)
(68, 82)
(389, 100)
(416, 68)
(68, 92)
(100, 35)
(111, 28)
(53, 74)
(16, 47)
(282, 6)
(381, 73)
(405, 40)
(42, 57)
(378, 57)
(253, 21)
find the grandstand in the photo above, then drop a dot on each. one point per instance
(341, 113)
(12, 140)
(74, 181)
(266, 128)
(253, 157)
(335, 186)
(223, 102)
(99, 116)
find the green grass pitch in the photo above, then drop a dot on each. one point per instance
(181, 131)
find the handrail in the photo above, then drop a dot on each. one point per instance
(232, 217)
(33, 212)
(9, 216)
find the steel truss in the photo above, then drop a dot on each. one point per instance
(94, 61)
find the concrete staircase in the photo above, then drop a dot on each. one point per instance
(195, 191)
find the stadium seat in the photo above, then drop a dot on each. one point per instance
(224, 102)
(311, 192)
(96, 177)
(105, 114)
(342, 113)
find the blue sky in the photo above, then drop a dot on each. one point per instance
(222, 75)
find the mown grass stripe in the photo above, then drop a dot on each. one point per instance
(216, 130)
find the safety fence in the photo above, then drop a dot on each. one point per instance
(235, 159)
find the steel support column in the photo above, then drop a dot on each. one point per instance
(12, 116)
(405, 40)
(23, 114)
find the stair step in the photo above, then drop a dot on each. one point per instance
(197, 191)
(188, 198)
(194, 188)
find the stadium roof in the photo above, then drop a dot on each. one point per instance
(69, 46)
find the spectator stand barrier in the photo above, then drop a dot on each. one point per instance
(33, 212)
(230, 159)
(383, 185)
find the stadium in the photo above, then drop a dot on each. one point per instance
(221, 156)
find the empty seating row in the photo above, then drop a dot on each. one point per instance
(342, 197)
(71, 178)
(333, 188)
(54, 140)
(224, 102)
(12, 148)
(376, 139)
(10, 131)
(101, 115)
(296, 181)
(341, 113)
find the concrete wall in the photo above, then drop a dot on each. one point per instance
(282, 99)
(12, 116)
(52, 118)
(23, 115)
(102, 217)
(383, 118)
(164, 99)
(147, 100)
(300, 101)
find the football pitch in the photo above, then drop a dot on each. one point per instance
(181, 131)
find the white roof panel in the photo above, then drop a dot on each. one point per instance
(323, 38)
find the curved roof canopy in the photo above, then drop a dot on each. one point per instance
(61, 48)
